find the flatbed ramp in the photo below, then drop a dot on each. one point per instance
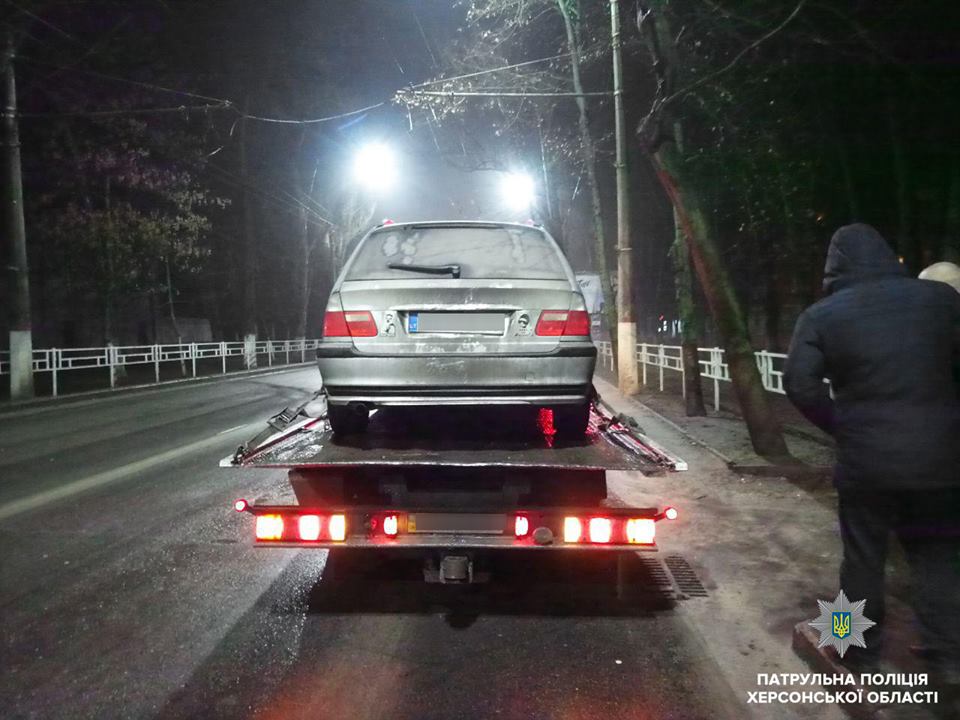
(456, 437)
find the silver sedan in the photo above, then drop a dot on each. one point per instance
(457, 313)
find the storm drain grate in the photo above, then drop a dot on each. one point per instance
(655, 578)
(685, 577)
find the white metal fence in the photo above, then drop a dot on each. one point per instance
(664, 358)
(114, 358)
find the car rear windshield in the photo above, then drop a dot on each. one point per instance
(480, 252)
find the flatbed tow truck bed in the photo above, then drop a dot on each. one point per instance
(452, 483)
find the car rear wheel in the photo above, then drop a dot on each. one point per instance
(570, 421)
(348, 419)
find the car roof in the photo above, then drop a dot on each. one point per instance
(458, 223)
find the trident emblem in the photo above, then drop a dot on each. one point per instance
(841, 624)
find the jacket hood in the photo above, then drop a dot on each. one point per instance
(858, 253)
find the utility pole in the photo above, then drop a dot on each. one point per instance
(626, 324)
(21, 337)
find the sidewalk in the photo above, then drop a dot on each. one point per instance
(765, 547)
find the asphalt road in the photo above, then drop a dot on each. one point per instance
(129, 588)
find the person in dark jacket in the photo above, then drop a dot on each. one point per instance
(890, 347)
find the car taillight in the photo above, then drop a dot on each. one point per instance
(572, 529)
(600, 530)
(563, 322)
(335, 325)
(391, 525)
(357, 323)
(641, 531)
(361, 324)
(521, 526)
(309, 527)
(269, 527)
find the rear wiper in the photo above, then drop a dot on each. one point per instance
(453, 270)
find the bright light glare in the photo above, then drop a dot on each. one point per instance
(521, 526)
(309, 527)
(518, 190)
(572, 529)
(269, 527)
(337, 527)
(671, 513)
(375, 167)
(601, 529)
(641, 531)
(391, 525)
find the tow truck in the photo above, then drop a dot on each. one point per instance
(453, 485)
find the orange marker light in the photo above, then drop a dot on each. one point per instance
(337, 527)
(641, 531)
(391, 525)
(572, 529)
(601, 530)
(269, 527)
(309, 527)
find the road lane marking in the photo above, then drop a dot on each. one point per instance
(230, 430)
(32, 502)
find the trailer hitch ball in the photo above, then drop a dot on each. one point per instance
(543, 536)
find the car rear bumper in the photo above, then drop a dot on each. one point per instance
(560, 377)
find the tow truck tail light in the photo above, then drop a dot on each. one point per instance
(563, 322)
(337, 527)
(521, 526)
(391, 525)
(357, 323)
(671, 513)
(309, 527)
(641, 531)
(601, 530)
(269, 527)
(572, 529)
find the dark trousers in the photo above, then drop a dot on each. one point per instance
(927, 524)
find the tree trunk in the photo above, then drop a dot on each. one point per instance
(589, 154)
(691, 325)
(173, 315)
(763, 425)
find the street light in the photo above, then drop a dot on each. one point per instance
(375, 167)
(517, 190)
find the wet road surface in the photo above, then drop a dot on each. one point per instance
(130, 589)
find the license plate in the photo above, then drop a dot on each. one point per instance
(454, 322)
(456, 523)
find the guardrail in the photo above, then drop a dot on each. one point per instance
(712, 365)
(115, 357)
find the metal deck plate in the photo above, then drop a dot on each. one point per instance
(465, 437)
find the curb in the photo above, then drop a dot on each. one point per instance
(9, 409)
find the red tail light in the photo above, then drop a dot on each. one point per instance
(671, 513)
(334, 325)
(641, 531)
(356, 323)
(309, 527)
(391, 525)
(521, 526)
(601, 530)
(337, 527)
(269, 527)
(563, 322)
(572, 529)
